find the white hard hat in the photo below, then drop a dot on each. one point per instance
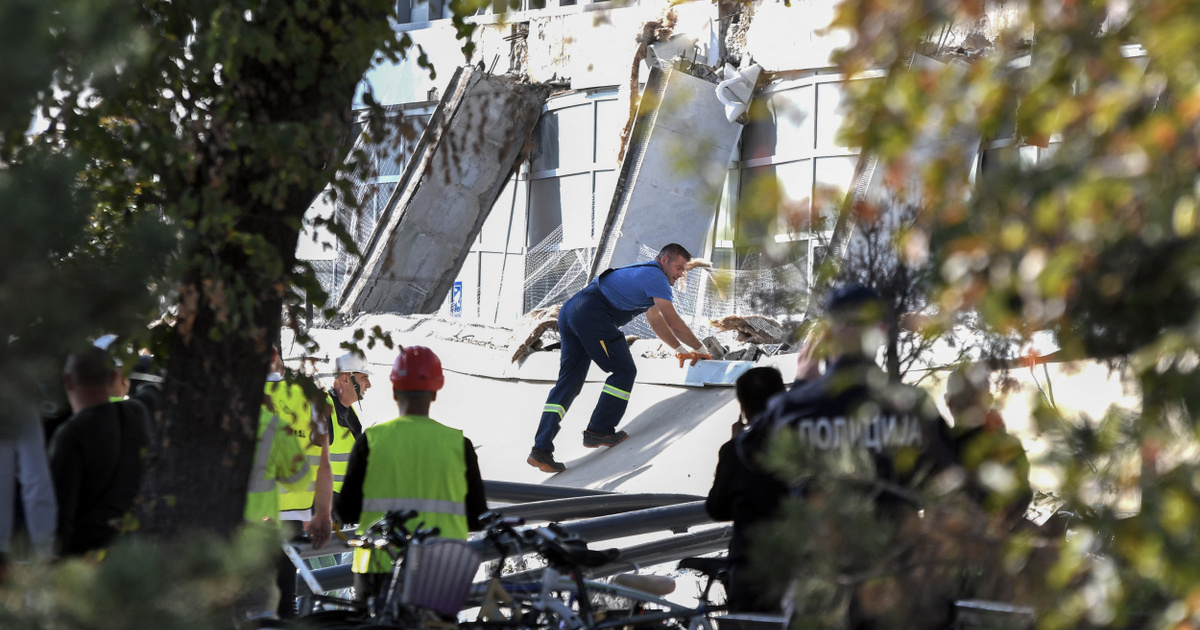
(351, 362)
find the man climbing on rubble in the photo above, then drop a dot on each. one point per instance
(589, 324)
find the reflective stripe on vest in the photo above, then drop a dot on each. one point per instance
(420, 505)
(339, 449)
(414, 463)
(259, 482)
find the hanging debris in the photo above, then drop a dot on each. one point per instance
(527, 334)
(751, 328)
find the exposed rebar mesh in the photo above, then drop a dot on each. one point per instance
(553, 274)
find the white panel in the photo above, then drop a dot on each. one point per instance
(794, 121)
(489, 284)
(829, 115)
(609, 122)
(795, 180)
(606, 181)
(577, 201)
(795, 188)
(564, 139)
(495, 228)
(545, 209)
(516, 240)
(512, 290)
(832, 180)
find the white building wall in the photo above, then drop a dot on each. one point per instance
(590, 50)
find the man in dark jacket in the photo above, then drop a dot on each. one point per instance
(742, 495)
(96, 456)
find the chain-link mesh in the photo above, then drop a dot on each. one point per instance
(552, 274)
(324, 271)
(705, 294)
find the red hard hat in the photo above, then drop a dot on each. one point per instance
(417, 369)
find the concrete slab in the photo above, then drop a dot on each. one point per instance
(464, 159)
(673, 171)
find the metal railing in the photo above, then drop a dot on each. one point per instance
(606, 516)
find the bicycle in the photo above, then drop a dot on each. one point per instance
(404, 602)
(562, 598)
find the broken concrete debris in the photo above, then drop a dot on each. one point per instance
(537, 331)
(527, 334)
(475, 139)
(751, 328)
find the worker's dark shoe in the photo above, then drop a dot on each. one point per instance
(544, 461)
(591, 439)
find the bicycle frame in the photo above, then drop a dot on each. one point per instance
(546, 601)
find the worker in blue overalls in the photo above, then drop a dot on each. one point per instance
(589, 324)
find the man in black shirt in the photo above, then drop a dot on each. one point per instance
(742, 495)
(96, 455)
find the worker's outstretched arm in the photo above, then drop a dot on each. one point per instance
(320, 527)
(677, 332)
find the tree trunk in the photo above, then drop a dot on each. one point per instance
(274, 134)
(206, 440)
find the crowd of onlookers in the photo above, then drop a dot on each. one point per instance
(71, 479)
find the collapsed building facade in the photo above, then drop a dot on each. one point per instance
(577, 137)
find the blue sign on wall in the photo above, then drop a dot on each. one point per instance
(456, 299)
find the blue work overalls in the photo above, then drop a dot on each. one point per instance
(590, 329)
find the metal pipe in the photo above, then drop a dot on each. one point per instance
(655, 552)
(512, 492)
(585, 507)
(675, 518)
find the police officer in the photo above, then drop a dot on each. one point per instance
(589, 324)
(410, 463)
(859, 432)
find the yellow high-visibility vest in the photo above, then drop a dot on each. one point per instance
(339, 448)
(278, 459)
(287, 400)
(415, 463)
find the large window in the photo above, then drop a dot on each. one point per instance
(793, 171)
(572, 170)
(536, 246)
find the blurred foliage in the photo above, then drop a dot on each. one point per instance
(194, 585)
(1084, 227)
(156, 163)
